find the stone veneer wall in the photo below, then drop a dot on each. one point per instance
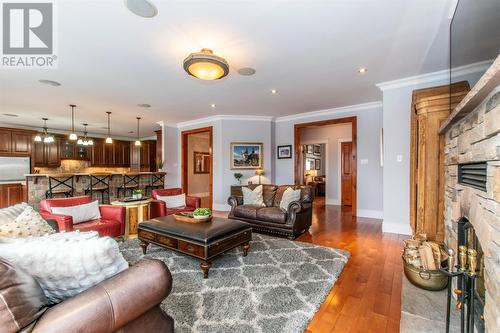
(476, 138)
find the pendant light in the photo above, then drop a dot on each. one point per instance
(138, 142)
(73, 136)
(85, 141)
(44, 135)
(108, 139)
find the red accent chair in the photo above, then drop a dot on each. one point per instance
(111, 223)
(158, 207)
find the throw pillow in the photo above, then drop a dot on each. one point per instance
(80, 213)
(23, 301)
(174, 201)
(28, 224)
(253, 197)
(63, 265)
(289, 196)
(9, 214)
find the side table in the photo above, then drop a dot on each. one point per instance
(136, 212)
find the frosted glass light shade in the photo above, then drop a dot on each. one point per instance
(73, 136)
(137, 143)
(109, 140)
(38, 138)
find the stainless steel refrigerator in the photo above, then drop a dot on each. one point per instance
(13, 169)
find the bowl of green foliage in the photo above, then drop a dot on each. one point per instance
(202, 213)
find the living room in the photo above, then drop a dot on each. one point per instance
(249, 166)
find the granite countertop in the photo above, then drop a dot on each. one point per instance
(113, 173)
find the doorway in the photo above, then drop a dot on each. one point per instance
(347, 180)
(197, 164)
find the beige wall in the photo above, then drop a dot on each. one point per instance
(197, 183)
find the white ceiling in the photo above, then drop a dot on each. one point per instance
(310, 51)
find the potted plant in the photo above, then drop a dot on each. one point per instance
(202, 213)
(238, 177)
(159, 165)
(137, 193)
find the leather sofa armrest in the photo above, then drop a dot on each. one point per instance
(294, 208)
(235, 200)
(193, 202)
(64, 222)
(158, 208)
(111, 304)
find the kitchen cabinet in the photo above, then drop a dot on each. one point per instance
(47, 154)
(116, 154)
(11, 194)
(5, 141)
(15, 142)
(70, 150)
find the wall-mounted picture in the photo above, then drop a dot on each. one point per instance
(201, 162)
(309, 149)
(310, 164)
(285, 151)
(317, 164)
(246, 155)
(317, 150)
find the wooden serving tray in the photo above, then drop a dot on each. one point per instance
(188, 217)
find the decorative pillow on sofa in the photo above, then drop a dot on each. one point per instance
(289, 196)
(65, 265)
(23, 301)
(253, 197)
(80, 213)
(174, 201)
(9, 214)
(28, 224)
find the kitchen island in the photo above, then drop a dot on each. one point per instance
(38, 183)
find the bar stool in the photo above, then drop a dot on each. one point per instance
(99, 182)
(130, 181)
(60, 184)
(157, 180)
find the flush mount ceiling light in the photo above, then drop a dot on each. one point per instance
(274, 91)
(50, 83)
(362, 70)
(10, 115)
(108, 139)
(138, 142)
(72, 135)
(144, 105)
(213, 106)
(142, 8)
(205, 65)
(246, 71)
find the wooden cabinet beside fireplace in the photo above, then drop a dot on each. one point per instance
(430, 108)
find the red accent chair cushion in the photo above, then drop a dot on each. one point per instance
(158, 207)
(111, 223)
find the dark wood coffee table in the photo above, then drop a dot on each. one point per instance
(200, 240)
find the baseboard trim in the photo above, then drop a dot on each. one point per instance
(222, 207)
(370, 213)
(396, 228)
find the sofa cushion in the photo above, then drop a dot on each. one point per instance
(268, 195)
(23, 301)
(174, 201)
(80, 213)
(253, 197)
(28, 224)
(104, 227)
(246, 211)
(9, 214)
(289, 196)
(271, 214)
(279, 195)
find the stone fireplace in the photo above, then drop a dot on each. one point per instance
(472, 138)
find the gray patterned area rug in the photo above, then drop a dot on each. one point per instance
(277, 288)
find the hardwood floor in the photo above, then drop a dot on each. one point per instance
(367, 295)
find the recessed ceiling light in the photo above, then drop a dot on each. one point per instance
(10, 115)
(274, 91)
(362, 70)
(142, 8)
(213, 106)
(131, 132)
(247, 71)
(50, 83)
(144, 105)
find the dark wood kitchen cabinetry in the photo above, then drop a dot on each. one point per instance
(116, 154)
(70, 150)
(15, 142)
(11, 194)
(47, 154)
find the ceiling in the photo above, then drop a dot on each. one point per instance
(310, 51)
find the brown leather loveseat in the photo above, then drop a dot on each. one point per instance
(270, 218)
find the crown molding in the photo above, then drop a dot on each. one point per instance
(444, 74)
(222, 117)
(328, 112)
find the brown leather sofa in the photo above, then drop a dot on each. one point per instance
(270, 218)
(127, 303)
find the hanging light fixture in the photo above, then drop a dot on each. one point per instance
(72, 135)
(108, 139)
(138, 142)
(44, 134)
(205, 65)
(85, 141)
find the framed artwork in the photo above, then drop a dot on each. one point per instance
(317, 164)
(310, 164)
(317, 150)
(201, 162)
(285, 151)
(309, 149)
(247, 155)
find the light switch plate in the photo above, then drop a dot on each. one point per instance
(399, 158)
(364, 161)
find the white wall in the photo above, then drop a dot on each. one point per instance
(331, 135)
(369, 121)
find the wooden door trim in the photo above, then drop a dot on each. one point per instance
(184, 157)
(345, 120)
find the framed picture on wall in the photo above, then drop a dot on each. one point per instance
(317, 150)
(285, 151)
(310, 164)
(317, 164)
(309, 149)
(247, 155)
(201, 162)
